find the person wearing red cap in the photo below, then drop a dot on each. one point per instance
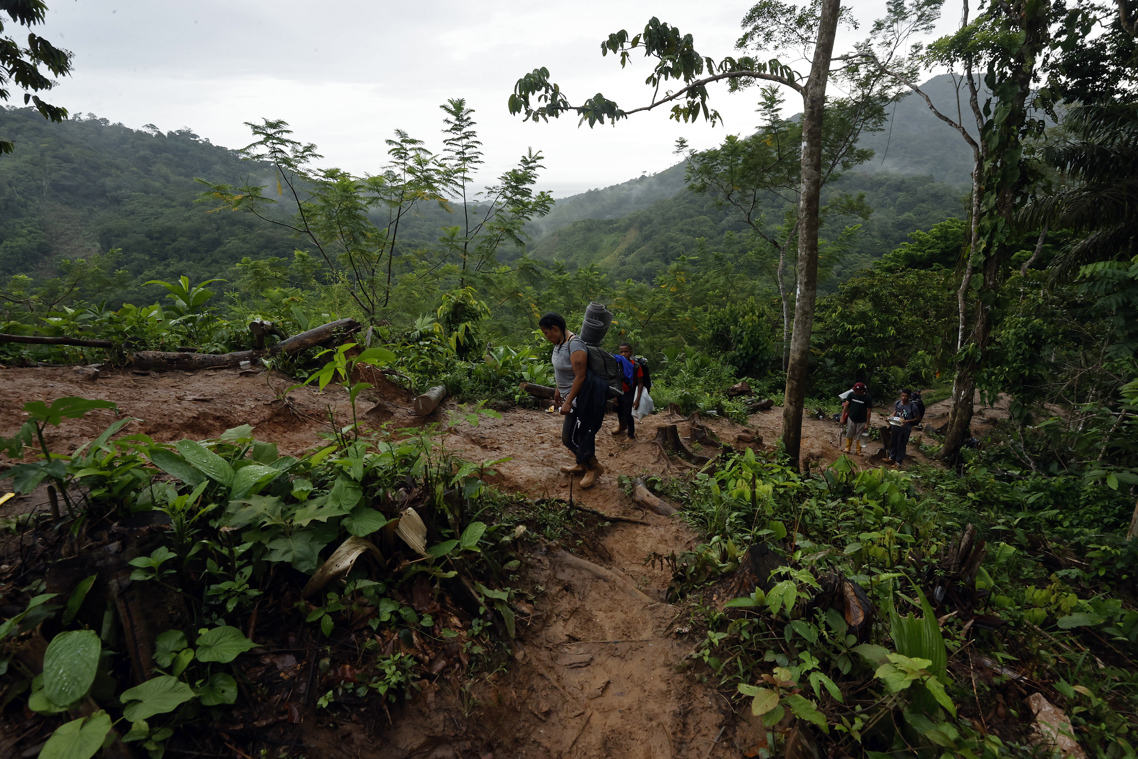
(857, 411)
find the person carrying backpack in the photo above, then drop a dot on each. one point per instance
(857, 413)
(580, 396)
(633, 388)
(905, 415)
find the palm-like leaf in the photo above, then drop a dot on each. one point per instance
(1101, 201)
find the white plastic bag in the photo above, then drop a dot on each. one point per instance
(646, 407)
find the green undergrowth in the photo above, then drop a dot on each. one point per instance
(329, 584)
(862, 627)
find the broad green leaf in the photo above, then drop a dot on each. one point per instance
(910, 663)
(345, 495)
(256, 509)
(167, 645)
(237, 434)
(805, 629)
(316, 458)
(356, 389)
(158, 695)
(64, 408)
(764, 700)
(895, 680)
(25, 477)
(746, 602)
(39, 702)
(805, 709)
(1112, 481)
(173, 464)
(249, 477)
(831, 687)
(774, 716)
(14, 623)
(78, 739)
(376, 357)
(317, 510)
(1079, 619)
(874, 653)
(75, 600)
(777, 528)
(507, 616)
(471, 535)
(181, 661)
(265, 453)
(501, 595)
(222, 644)
(206, 461)
(219, 689)
(438, 550)
(935, 687)
(301, 550)
(364, 520)
(69, 665)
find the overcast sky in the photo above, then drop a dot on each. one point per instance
(346, 73)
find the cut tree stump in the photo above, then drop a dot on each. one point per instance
(668, 440)
(261, 329)
(740, 388)
(642, 495)
(426, 403)
(537, 391)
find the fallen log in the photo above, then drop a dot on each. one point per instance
(537, 391)
(765, 404)
(189, 362)
(45, 340)
(426, 403)
(642, 495)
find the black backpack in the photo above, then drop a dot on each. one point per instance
(604, 365)
(645, 378)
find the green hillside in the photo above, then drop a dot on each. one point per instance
(86, 186)
(913, 142)
(642, 244)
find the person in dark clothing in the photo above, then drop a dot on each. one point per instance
(580, 397)
(857, 413)
(906, 413)
(632, 392)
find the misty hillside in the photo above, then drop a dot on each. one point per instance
(914, 142)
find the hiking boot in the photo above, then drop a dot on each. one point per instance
(575, 469)
(618, 431)
(595, 471)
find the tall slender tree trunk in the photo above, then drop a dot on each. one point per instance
(1001, 183)
(784, 299)
(814, 105)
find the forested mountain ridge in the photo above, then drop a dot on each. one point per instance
(88, 185)
(913, 142)
(640, 245)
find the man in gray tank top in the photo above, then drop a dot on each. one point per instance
(579, 396)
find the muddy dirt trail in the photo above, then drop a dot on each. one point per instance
(602, 668)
